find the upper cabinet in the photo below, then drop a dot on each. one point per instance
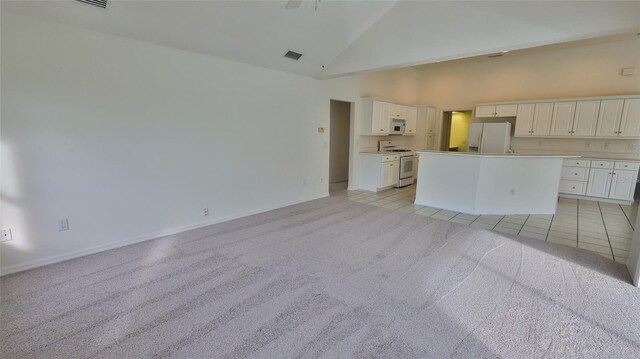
(562, 119)
(377, 116)
(586, 118)
(630, 122)
(533, 119)
(411, 120)
(609, 118)
(496, 111)
(589, 118)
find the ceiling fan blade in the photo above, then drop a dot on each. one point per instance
(293, 4)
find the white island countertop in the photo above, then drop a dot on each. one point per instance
(499, 184)
(510, 155)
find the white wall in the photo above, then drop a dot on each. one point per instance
(566, 73)
(131, 140)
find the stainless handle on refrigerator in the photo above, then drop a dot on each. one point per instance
(481, 142)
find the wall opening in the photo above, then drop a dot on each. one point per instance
(339, 137)
(455, 130)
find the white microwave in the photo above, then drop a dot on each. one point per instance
(397, 127)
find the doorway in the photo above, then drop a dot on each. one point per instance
(455, 130)
(339, 136)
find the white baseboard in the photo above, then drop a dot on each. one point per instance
(105, 247)
(607, 200)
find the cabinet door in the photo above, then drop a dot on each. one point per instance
(379, 112)
(586, 118)
(609, 118)
(411, 119)
(542, 119)
(397, 111)
(506, 110)
(630, 122)
(599, 183)
(389, 173)
(431, 120)
(524, 119)
(623, 185)
(562, 120)
(485, 111)
(430, 143)
(381, 123)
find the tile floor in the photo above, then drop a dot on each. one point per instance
(600, 227)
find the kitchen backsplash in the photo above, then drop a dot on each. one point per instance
(370, 143)
(615, 149)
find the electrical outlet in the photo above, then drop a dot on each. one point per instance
(63, 224)
(606, 145)
(6, 235)
(205, 211)
(587, 145)
(304, 182)
(513, 192)
(633, 146)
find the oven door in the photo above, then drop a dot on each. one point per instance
(407, 166)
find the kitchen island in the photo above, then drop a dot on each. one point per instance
(488, 184)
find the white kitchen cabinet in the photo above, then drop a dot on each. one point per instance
(542, 119)
(630, 121)
(586, 118)
(375, 117)
(431, 120)
(390, 173)
(411, 120)
(379, 171)
(623, 185)
(509, 110)
(485, 111)
(609, 118)
(562, 119)
(524, 120)
(599, 183)
(533, 119)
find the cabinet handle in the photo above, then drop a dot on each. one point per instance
(573, 187)
(575, 174)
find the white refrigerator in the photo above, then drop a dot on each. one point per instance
(490, 137)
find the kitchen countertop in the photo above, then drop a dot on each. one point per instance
(508, 155)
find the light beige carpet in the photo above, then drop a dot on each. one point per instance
(330, 279)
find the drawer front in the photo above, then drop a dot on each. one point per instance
(573, 187)
(602, 164)
(387, 158)
(576, 162)
(631, 166)
(575, 173)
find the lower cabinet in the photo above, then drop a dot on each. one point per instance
(623, 185)
(379, 171)
(389, 173)
(599, 183)
(600, 179)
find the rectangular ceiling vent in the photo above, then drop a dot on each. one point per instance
(494, 55)
(98, 3)
(293, 55)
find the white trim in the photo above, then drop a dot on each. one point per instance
(105, 247)
(598, 199)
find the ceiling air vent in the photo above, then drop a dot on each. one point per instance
(98, 3)
(293, 55)
(494, 55)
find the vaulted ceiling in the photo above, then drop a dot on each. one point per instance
(344, 37)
